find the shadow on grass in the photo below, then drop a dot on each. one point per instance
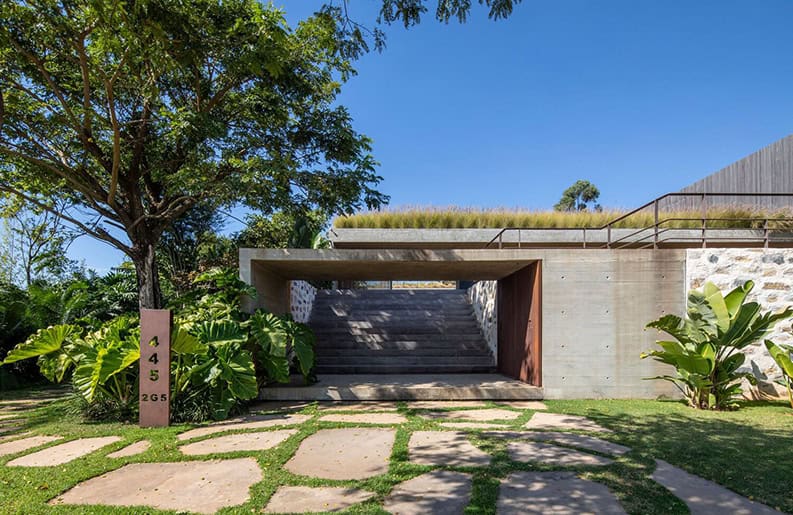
(747, 451)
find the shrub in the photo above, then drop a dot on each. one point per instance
(220, 355)
(706, 352)
(783, 355)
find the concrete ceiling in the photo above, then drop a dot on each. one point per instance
(392, 264)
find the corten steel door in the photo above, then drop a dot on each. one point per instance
(520, 325)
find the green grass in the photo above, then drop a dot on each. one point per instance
(748, 451)
(469, 218)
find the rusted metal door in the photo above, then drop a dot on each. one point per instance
(520, 325)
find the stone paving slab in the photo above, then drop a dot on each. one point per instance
(561, 421)
(573, 440)
(305, 499)
(7, 416)
(705, 497)
(238, 442)
(349, 453)
(63, 453)
(265, 406)
(196, 486)
(24, 444)
(559, 493)
(358, 406)
(445, 404)
(532, 405)
(253, 422)
(440, 492)
(474, 415)
(470, 425)
(365, 418)
(450, 448)
(6, 438)
(552, 455)
(131, 450)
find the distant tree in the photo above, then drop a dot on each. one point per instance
(409, 11)
(136, 112)
(284, 230)
(579, 197)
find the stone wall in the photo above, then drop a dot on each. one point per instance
(301, 299)
(772, 272)
(482, 296)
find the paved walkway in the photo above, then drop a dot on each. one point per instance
(445, 443)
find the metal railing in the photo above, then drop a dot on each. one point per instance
(671, 229)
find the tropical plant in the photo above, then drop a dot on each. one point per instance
(706, 352)
(783, 355)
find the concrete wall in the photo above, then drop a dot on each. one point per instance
(772, 273)
(482, 296)
(595, 306)
(301, 300)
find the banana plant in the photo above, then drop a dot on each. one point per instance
(783, 355)
(707, 345)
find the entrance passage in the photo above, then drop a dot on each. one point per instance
(519, 325)
(398, 332)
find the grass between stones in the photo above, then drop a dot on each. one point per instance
(748, 451)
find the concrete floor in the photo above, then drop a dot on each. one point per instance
(403, 387)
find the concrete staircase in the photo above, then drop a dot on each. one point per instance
(398, 332)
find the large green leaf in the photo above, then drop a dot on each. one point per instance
(269, 331)
(220, 332)
(42, 343)
(182, 342)
(734, 300)
(781, 356)
(715, 300)
(303, 341)
(678, 328)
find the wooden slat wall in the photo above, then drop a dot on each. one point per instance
(769, 170)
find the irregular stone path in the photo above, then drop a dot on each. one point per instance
(559, 493)
(238, 442)
(437, 492)
(197, 486)
(358, 453)
(365, 418)
(131, 450)
(449, 448)
(24, 444)
(474, 415)
(570, 439)
(253, 422)
(63, 453)
(560, 421)
(305, 499)
(349, 453)
(528, 452)
(705, 497)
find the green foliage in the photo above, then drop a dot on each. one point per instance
(217, 351)
(134, 113)
(471, 218)
(706, 352)
(783, 356)
(578, 197)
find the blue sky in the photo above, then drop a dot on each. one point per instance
(639, 97)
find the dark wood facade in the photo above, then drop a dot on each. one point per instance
(520, 324)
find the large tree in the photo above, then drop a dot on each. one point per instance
(136, 111)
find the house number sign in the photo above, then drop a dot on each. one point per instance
(155, 367)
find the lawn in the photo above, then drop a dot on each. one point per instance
(748, 451)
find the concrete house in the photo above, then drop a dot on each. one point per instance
(538, 313)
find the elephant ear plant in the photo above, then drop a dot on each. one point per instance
(707, 345)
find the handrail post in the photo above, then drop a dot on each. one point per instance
(655, 234)
(765, 234)
(519, 231)
(584, 228)
(500, 238)
(704, 208)
(608, 238)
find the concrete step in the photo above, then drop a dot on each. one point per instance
(402, 345)
(399, 325)
(323, 352)
(390, 316)
(427, 339)
(405, 369)
(401, 332)
(403, 387)
(405, 359)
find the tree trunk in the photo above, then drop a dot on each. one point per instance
(149, 295)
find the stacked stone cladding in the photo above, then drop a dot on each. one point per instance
(482, 296)
(302, 296)
(772, 272)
